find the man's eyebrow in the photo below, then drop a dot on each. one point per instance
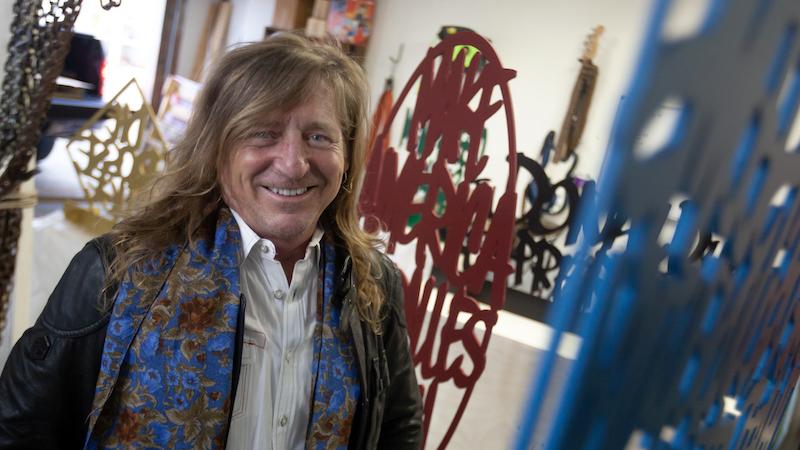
(323, 125)
(272, 123)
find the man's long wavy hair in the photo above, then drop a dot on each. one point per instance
(249, 82)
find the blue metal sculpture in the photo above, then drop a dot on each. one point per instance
(673, 331)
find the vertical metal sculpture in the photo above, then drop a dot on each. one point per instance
(39, 42)
(686, 352)
(40, 33)
(467, 238)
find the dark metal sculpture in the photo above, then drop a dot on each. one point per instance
(542, 221)
(453, 104)
(40, 35)
(691, 345)
(39, 42)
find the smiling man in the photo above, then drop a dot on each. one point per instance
(242, 306)
(282, 175)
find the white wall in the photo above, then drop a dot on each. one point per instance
(249, 18)
(131, 38)
(541, 40)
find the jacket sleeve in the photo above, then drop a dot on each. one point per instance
(48, 381)
(402, 420)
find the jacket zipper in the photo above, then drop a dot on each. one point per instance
(237, 360)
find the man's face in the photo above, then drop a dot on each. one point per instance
(287, 171)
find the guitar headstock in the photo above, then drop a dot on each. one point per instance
(591, 42)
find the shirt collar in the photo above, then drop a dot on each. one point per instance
(250, 239)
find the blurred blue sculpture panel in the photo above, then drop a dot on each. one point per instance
(691, 340)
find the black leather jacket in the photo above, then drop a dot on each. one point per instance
(48, 383)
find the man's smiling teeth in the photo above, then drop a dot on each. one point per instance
(287, 192)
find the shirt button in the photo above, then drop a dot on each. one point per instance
(288, 357)
(284, 421)
(279, 294)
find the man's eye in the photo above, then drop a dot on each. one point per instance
(319, 139)
(263, 136)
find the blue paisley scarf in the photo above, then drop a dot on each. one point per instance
(336, 388)
(166, 371)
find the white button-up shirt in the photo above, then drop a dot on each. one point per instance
(273, 400)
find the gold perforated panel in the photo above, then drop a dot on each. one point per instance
(116, 154)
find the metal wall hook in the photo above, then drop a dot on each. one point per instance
(396, 60)
(108, 4)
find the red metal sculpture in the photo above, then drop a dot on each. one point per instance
(464, 240)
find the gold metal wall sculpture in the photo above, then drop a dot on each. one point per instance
(116, 154)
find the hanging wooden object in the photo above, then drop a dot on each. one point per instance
(212, 40)
(575, 119)
(292, 14)
(317, 22)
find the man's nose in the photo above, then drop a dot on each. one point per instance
(293, 158)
